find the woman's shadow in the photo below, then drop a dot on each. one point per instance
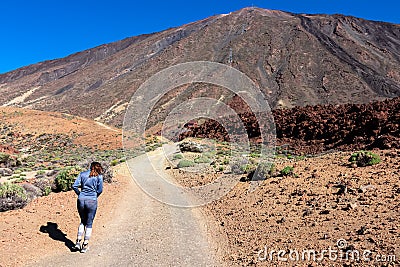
(56, 234)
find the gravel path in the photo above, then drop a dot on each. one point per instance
(144, 231)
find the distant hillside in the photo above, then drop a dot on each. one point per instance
(23, 127)
(296, 60)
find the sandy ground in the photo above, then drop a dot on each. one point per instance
(131, 229)
(48, 225)
(309, 212)
(306, 212)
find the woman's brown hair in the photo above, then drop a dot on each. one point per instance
(95, 169)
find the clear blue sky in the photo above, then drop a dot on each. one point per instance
(38, 30)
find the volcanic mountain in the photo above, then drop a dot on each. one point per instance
(295, 59)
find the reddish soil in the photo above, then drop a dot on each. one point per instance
(24, 233)
(84, 132)
(310, 211)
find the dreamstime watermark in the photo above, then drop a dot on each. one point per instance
(151, 104)
(339, 253)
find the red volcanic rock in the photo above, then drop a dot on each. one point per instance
(319, 128)
(8, 149)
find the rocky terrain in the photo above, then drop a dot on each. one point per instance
(306, 202)
(37, 146)
(295, 59)
(314, 198)
(315, 129)
(324, 202)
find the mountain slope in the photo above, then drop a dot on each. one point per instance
(296, 60)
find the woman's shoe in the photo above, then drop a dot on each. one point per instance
(77, 245)
(85, 247)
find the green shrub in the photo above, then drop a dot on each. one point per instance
(202, 159)
(264, 170)
(238, 165)
(46, 191)
(178, 156)
(209, 154)
(66, 177)
(114, 162)
(9, 190)
(255, 155)
(149, 149)
(247, 168)
(185, 163)
(288, 170)
(225, 152)
(364, 158)
(12, 196)
(225, 161)
(4, 157)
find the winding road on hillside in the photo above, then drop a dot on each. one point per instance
(144, 231)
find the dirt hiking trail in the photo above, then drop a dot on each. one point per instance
(143, 231)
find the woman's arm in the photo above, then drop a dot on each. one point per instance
(99, 185)
(77, 184)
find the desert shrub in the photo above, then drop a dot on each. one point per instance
(114, 162)
(4, 157)
(264, 170)
(185, 163)
(178, 156)
(210, 154)
(287, 171)
(255, 155)
(261, 172)
(202, 159)
(238, 166)
(66, 177)
(12, 196)
(46, 191)
(247, 168)
(224, 152)
(9, 189)
(225, 161)
(364, 158)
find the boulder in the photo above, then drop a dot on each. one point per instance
(6, 172)
(191, 146)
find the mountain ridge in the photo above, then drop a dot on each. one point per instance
(295, 59)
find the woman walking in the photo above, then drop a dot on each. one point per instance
(91, 184)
